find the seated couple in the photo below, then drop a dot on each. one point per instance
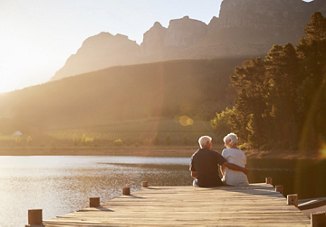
(205, 162)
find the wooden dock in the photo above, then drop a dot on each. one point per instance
(253, 205)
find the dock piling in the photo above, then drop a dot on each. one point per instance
(126, 190)
(318, 219)
(35, 218)
(145, 184)
(94, 202)
(292, 199)
(279, 188)
(269, 180)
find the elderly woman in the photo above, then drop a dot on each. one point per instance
(235, 156)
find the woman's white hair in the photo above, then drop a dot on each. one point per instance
(203, 140)
(231, 139)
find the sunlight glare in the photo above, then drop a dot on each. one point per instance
(185, 120)
(22, 64)
(322, 151)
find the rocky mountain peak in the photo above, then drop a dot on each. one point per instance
(153, 42)
(184, 32)
(243, 28)
(98, 52)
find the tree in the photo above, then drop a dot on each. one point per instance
(282, 77)
(281, 98)
(312, 51)
(224, 123)
(249, 82)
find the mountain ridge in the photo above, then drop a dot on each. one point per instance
(123, 93)
(243, 28)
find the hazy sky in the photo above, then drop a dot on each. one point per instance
(37, 36)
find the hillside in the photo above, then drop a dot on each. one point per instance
(165, 90)
(243, 28)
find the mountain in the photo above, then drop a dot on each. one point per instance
(243, 28)
(196, 88)
(253, 26)
(99, 52)
(161, 43)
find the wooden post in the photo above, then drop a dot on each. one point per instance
(35, 218)
(126, 190)
(292, 199)
(318, 219)
(268, 180)
(145, 184)
(279, 188)
(94, 202)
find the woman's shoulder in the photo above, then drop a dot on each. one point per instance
(229, 150)
(232, 151)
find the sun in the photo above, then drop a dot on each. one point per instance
(21, 66)
(10, 78)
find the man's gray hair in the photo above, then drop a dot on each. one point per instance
(231, 139)
(203, 140)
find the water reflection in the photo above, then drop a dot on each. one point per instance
(303, 177)
(60, 185)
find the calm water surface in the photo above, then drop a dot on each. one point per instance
(59, 185)
(62, 184)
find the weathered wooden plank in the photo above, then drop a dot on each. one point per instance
(254, 205)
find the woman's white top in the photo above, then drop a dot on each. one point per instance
(237, 157)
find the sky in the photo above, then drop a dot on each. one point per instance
(37, 36)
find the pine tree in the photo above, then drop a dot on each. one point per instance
(312, 51)
(248, 81)
(282, 77)
(281, 99)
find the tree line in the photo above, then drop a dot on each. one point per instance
(281, 97)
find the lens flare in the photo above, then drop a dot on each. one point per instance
(322, 151)
(185, 120)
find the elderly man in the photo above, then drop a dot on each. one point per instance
(205, 162)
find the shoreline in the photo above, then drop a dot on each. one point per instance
(99, 151)
(142, 151)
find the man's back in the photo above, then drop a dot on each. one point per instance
(205, 163)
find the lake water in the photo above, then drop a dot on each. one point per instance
(62, 184)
